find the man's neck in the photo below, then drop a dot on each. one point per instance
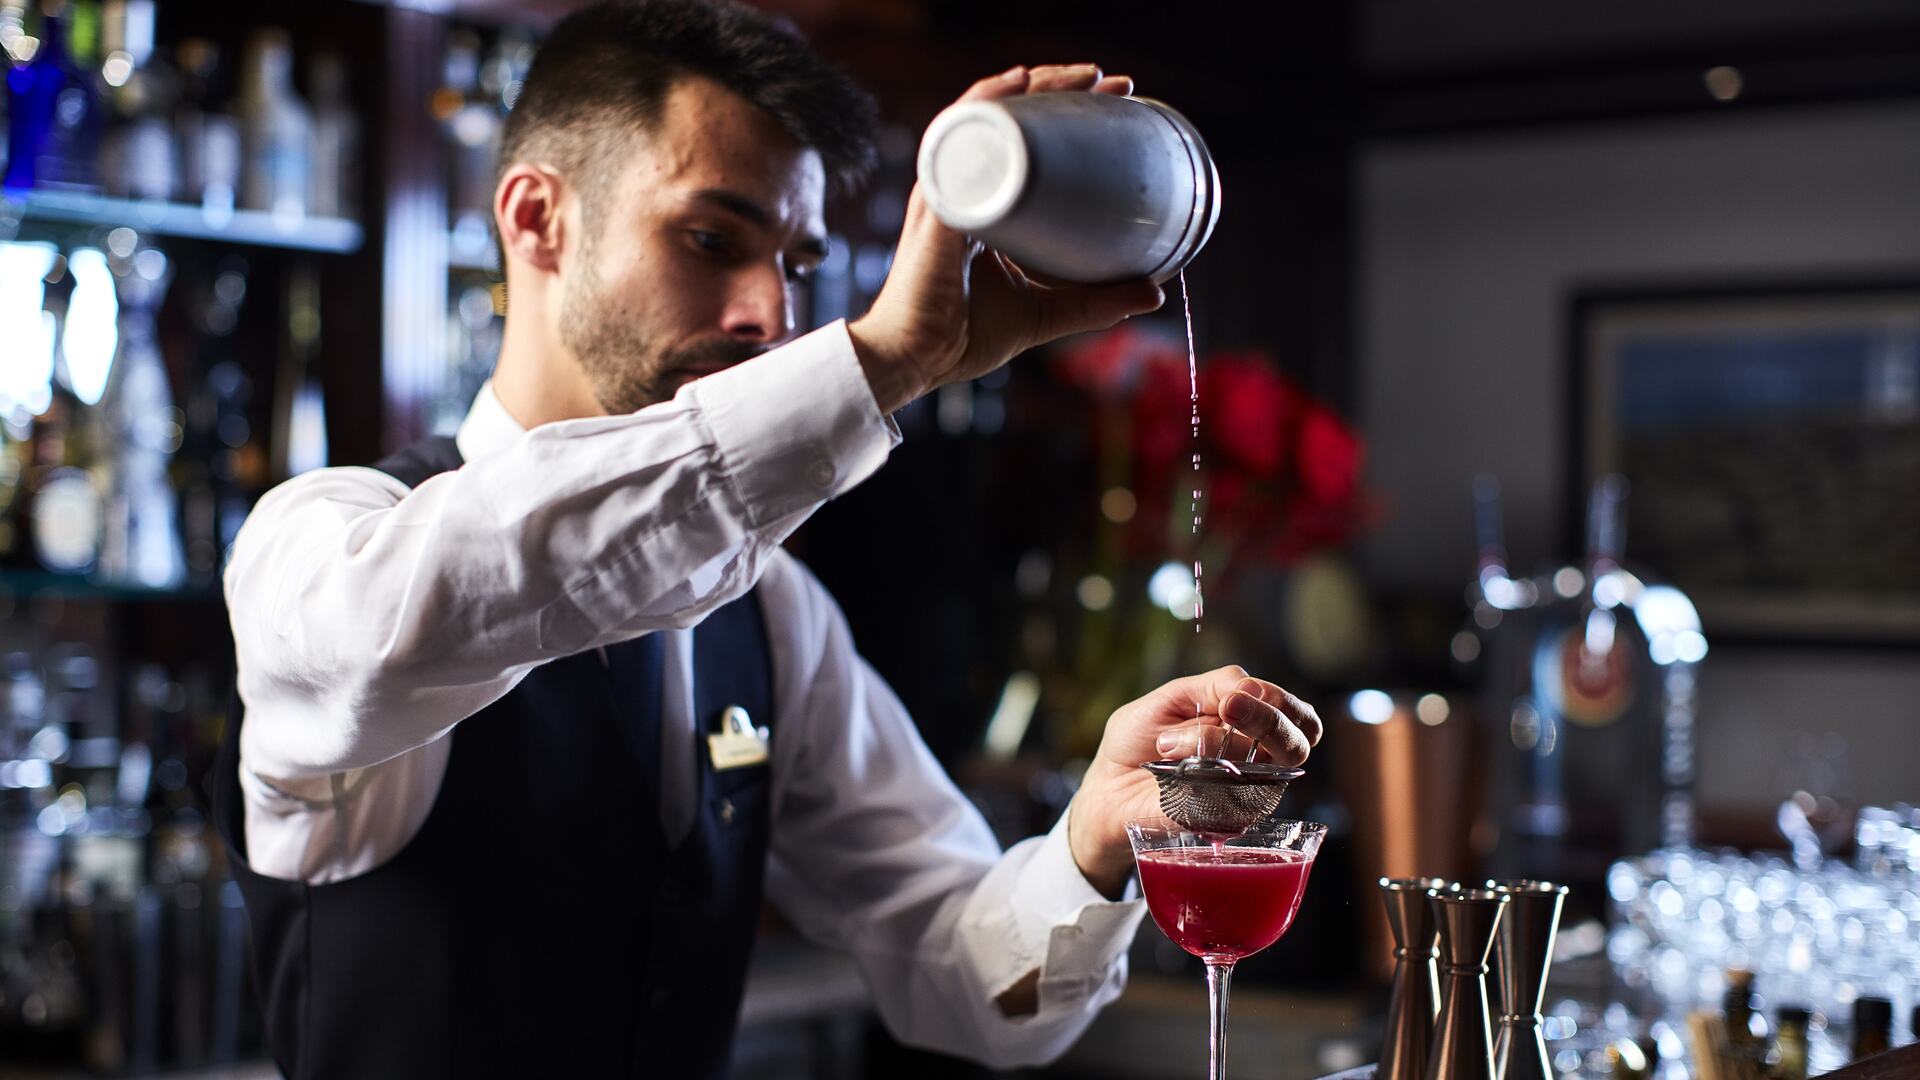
(535, 379)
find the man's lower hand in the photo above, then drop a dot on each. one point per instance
(1185, 717)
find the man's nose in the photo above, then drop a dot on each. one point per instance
(760, 309)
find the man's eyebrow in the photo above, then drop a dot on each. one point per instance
(756, 215)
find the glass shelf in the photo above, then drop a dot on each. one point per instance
(257, 227)
(26, 584)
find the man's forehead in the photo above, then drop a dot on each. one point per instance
(712, 147)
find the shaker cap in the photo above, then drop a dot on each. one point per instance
(973, 164)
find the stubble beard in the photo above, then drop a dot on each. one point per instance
(625, 371)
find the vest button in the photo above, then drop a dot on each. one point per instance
(670, 890)
(658, 997)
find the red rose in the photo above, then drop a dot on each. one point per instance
(1162, 434)
(1226, 499)
(1329, 458)
(1248, 411)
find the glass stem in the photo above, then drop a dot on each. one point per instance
(1219, 975)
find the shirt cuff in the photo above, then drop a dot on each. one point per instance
(1082, 935)
(797, 425)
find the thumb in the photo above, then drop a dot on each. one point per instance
(1079, 308)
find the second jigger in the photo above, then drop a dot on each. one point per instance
(1523, 955)
(1462, 1040)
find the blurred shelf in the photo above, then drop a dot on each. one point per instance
(30, 583)
(254, 227)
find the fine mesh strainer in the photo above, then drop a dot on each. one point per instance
(1215, 795)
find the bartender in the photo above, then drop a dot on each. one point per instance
(536, 717)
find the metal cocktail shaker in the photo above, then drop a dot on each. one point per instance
(1462, 1039)
(1524, 954)
(1090, 188)
(1416, 990)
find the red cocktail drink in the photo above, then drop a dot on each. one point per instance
(1224, 903)
(1223, 898)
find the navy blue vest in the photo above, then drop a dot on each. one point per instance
(539, 924)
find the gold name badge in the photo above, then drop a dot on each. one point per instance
(738, 743)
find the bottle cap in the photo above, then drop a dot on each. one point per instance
(1796, 1015)
(1872, 1014)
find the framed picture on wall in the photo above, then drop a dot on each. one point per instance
(1771, 437)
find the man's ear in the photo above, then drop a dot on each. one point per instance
(526, 210)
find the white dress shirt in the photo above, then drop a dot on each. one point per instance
(369, 620)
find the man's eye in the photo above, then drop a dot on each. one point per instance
(712, 243)
(800, 274)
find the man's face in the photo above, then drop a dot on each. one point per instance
(692, 250)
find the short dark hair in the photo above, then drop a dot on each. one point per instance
(610, 66)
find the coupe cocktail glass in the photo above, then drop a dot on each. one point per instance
(1222, 898)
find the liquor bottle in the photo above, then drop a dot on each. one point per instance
(62, 506)
(277, 129)
(142, 535)
(1872, 1027)
(13, 469)
(336, 142)
(208, 137)
(472, 125)
(53, 109)
(25, 387)
(12, 28)
(138, 156)
(221, 464)
(1746, 1027)
(299, 427)
(66, 513)
(1791, 1043)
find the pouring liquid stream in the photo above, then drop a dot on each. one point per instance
(1216, 841)
(1193, 400)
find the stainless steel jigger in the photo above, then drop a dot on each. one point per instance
(1523, 954)
(1462, 1039)
(1214, 795)
(1416, 988)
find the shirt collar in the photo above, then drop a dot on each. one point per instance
(489, 428)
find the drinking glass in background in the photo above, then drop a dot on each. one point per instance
(1223, 898)
(1818, 934)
